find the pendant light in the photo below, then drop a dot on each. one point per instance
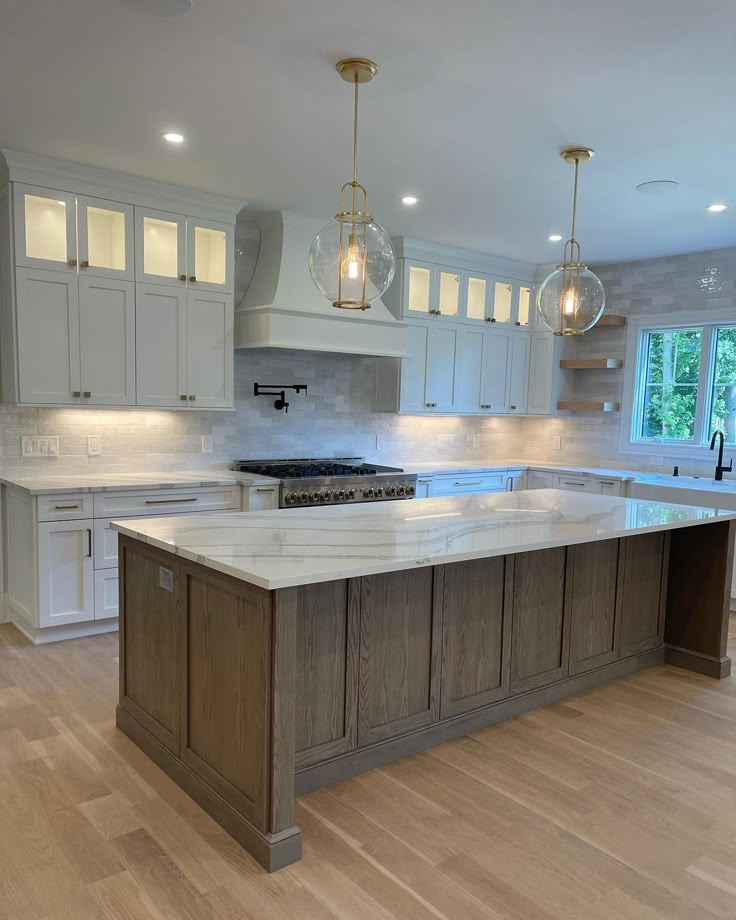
(351, 260)
(571, 300)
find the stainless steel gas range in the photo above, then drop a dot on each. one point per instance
(340, 481)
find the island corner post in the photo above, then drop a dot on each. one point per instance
(247, 697)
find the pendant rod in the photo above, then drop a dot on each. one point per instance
(575, 199)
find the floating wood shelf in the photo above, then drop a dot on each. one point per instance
(579, 364)
(611, 319)
(588, 405)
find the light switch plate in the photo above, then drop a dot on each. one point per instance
(557, 442)
(379, 442)
(94, 445)
(47, 446)
(208, 444)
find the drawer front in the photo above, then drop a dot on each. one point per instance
(106, 593)
(72, 506)
(608, 486)
(155, 502)
(468, 484)
(572, 483)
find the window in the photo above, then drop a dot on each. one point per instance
(684, 387)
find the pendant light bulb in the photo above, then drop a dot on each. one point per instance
(352, 260)
(571, 299)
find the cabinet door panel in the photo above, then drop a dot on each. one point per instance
(594, 624)
(476, 635)
(519, 373)
(539, 644)
(399, 666)
(45, 228)
(65, 572)
(48, 336)
(327, 671)
(160, 247)
(414, 370)
(469, 370)
(107, 341)
(496, 371)
(160, 325)
(210, 350)
(210, 252)
(440, 386)
(540, 374)
(105, 231)
(642, 574)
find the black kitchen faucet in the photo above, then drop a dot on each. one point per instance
(720, 468)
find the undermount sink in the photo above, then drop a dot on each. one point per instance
(689, 482)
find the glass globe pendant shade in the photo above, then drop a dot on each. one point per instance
(352, 261)
(571, 300)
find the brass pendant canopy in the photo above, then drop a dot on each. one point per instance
(571, 299)
(352, 259)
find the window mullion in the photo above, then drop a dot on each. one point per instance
(705, 381)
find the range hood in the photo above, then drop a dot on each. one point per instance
(283, 309)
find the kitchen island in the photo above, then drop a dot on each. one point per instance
(268, 654)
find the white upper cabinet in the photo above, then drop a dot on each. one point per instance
(469, 395)
(449, 292)
(525, 304)
(209, 259)
(418, 289)
(161, 346)
(160, 247)
(105, 230)
(478, 297)
(502, 310)
(210, 350)
(107, 341)
(519, 373)
(439, 389)
(495, 379)
(45, 228)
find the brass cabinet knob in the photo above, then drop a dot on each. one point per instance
(76, 394)
(182, 277)
(86, 394)
(485, 406)
(431, 405)
(84, 263)
(192, 397)
(183, 397)
(192, 277)
(513, 407)
(72, 263)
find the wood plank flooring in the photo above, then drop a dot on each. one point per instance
(619, 804)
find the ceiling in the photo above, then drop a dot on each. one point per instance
(472, 103)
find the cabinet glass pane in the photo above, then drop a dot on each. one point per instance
(449, 293)
(46, 228)
(476, 298)
(525, 294)
(209, 255)
(106, 238)
(419, 279)
(160, 247)
(502, 302)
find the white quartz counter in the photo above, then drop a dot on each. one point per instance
(279, 549)
(430, 468)
(50, 483)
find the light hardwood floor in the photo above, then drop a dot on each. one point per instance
(619, 804)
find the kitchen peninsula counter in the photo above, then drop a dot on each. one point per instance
(268, 654)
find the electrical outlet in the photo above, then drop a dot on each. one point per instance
(557, 442)
(94, 445)
(208, 443)
(379, 442)
(476, 440)
(39, 447)
(657, 460)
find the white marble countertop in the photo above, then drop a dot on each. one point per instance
(452, 467)
(279, 549)
(53, 483)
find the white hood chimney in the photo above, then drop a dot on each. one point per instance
(283, 309)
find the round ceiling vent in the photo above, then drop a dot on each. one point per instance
(658, 187)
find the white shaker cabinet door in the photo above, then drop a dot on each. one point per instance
(161, 345)
(48, 336)
(45, 228)
(66, 573)
(107, 341)
(469, 372)
(414, 369)
(496, 371)
(440, 380)
(210, 350)
(519, 372)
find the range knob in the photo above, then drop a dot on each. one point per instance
(325, 495)
(391, 491)
(303, 498)
(411, 490)
(350, 494)
(314, 496)
(401, 490)
(379, 492)
(291, 498)
(368, 493)
(340, 495)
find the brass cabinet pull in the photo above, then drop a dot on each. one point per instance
(182, 277)
(72, 262)
(517, 323)
(86, 394)
(192, 277)
(192, 397)
(183, 396)
(169, 501)
(485, 405)
(513, 407)
(84, 263)
(77, 393)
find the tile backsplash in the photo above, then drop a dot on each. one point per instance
(335, 418)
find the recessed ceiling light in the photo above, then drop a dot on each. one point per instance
(717, 207)
(172, 137)
(658, 187)
(409, 199)
(554, 237)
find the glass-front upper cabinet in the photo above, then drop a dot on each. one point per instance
(209, 259)
(418, 288)
(449, 292)
(478, 288)
(45, 228)
(160, 247)
(503, 302)
(105, 230)
(523, 313)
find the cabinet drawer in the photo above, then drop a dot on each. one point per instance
(106, 593)
(155, 502)
(457, 485)
(572, 483)
(72, 506)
